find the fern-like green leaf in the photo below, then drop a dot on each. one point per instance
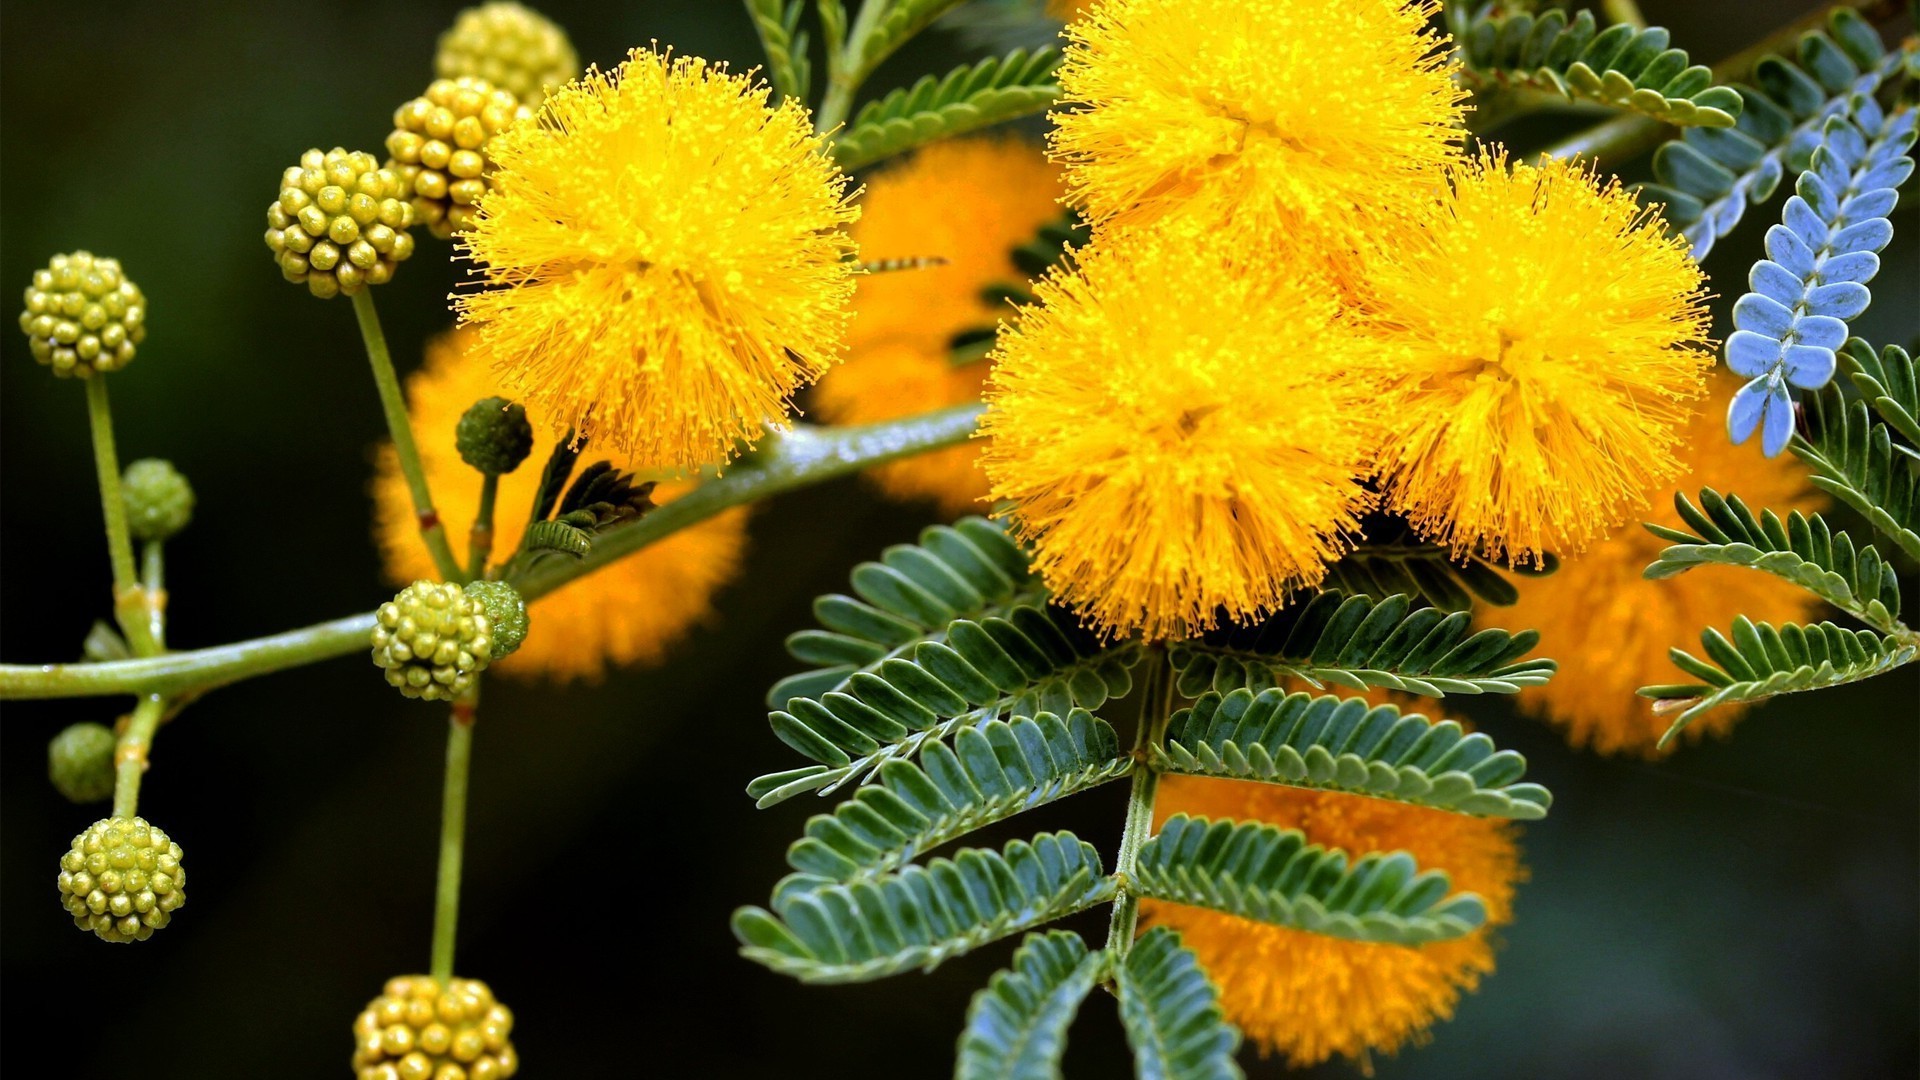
(1804, 549)
(1342, 744)
(966, 99)
(1172, 1013)
(1357, 642)
(1017, 1025)
(898, 24)
(923, 915)
(1759, 661)
(557, 537)
(1393, 560)
(1262, 872)
(968, 570)
(1888, 383)
(1858, 461)
(991, 772)
(785, 46)
(1621, 66)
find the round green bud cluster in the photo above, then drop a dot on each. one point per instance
(83, 315)
(515, 48)
(439, 148)
(80, 762)
(432, 639)
(494, 436)
(418, 1030)
(122, 879)
(506, 613)
(340, 223)
(159, 500)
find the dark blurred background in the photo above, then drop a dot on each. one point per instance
(1746, 909)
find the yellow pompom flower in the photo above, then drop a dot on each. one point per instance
(1283, 119)
(1308, 997)
(667, 259)
(1544, 337)
(1179, 430)
(629, 611)
(1611, 628)
(968, 203)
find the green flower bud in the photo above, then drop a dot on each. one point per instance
(159, 500)
(80, 762)
(416, 1028)
(340, 223)
(514, 48)
(83, 315)
(439, 148)
(494, 436)
(432, 639)
(122, 879)
(506, 612)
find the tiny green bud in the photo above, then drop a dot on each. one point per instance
(515, 48)
(433, 640)
(159, 500)
(506, 611)
(439, 148)
(494, 436)
(82, 315)
(122, 879)
(340, 223)
(80, 762)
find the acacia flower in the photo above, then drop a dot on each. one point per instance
(1306, 996)
(628, 611)
(666, 256)
(1178, 431)
(1544, 337)
(1618, 625)
(1287, 118)
(967, 203)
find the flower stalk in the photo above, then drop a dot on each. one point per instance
(453, 834)
(1157, 695)
(130, 753)
(432, 533)
(480, 536)
(131, 608)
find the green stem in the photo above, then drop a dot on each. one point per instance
(797, 459)
(130, 754)
(130, 608)
(453, 834)
(846, 71)
(1624, 11)
(153, 577)
(480, 537)
(1158, 695)
(401, 429)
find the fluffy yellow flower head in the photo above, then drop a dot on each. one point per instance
(1283, 118)
(1307, 996)
(626, 612)
(1611, 628)
(1545, 337)
(968, 202)
(667, 259)
(1178, 431)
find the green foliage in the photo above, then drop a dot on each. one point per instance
(785, 45)
(1017, 1024)
(1272, 875)
(1857, 460)
(1708, 177)
(966, 99)
(899, 21)
(1804, 550)
(1172, 1013)
(1357, 642)
(1342, 744)
(1759, 661)
(922, 916)
(1888, 383)
(1393, 560)
(1621, 66)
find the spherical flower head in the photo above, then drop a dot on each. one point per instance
(1306, 996)
(509, 45)
(1546, 337)
(82, 315)
(433, 640)
(967, 203)
(122, 879)
(159, 500)
(494, 436)
(1298, 120)
(340, 223)
(506, 613)
(1180, 430)
(1611, 628)
(80, 762)
(439, 148)
(667, 260)
(418, 1028)
(629, 611)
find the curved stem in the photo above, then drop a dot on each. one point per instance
(453, 834)
(796, 459)
(846, 69)
(130, 754)
(395, 406)
(130, 608)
